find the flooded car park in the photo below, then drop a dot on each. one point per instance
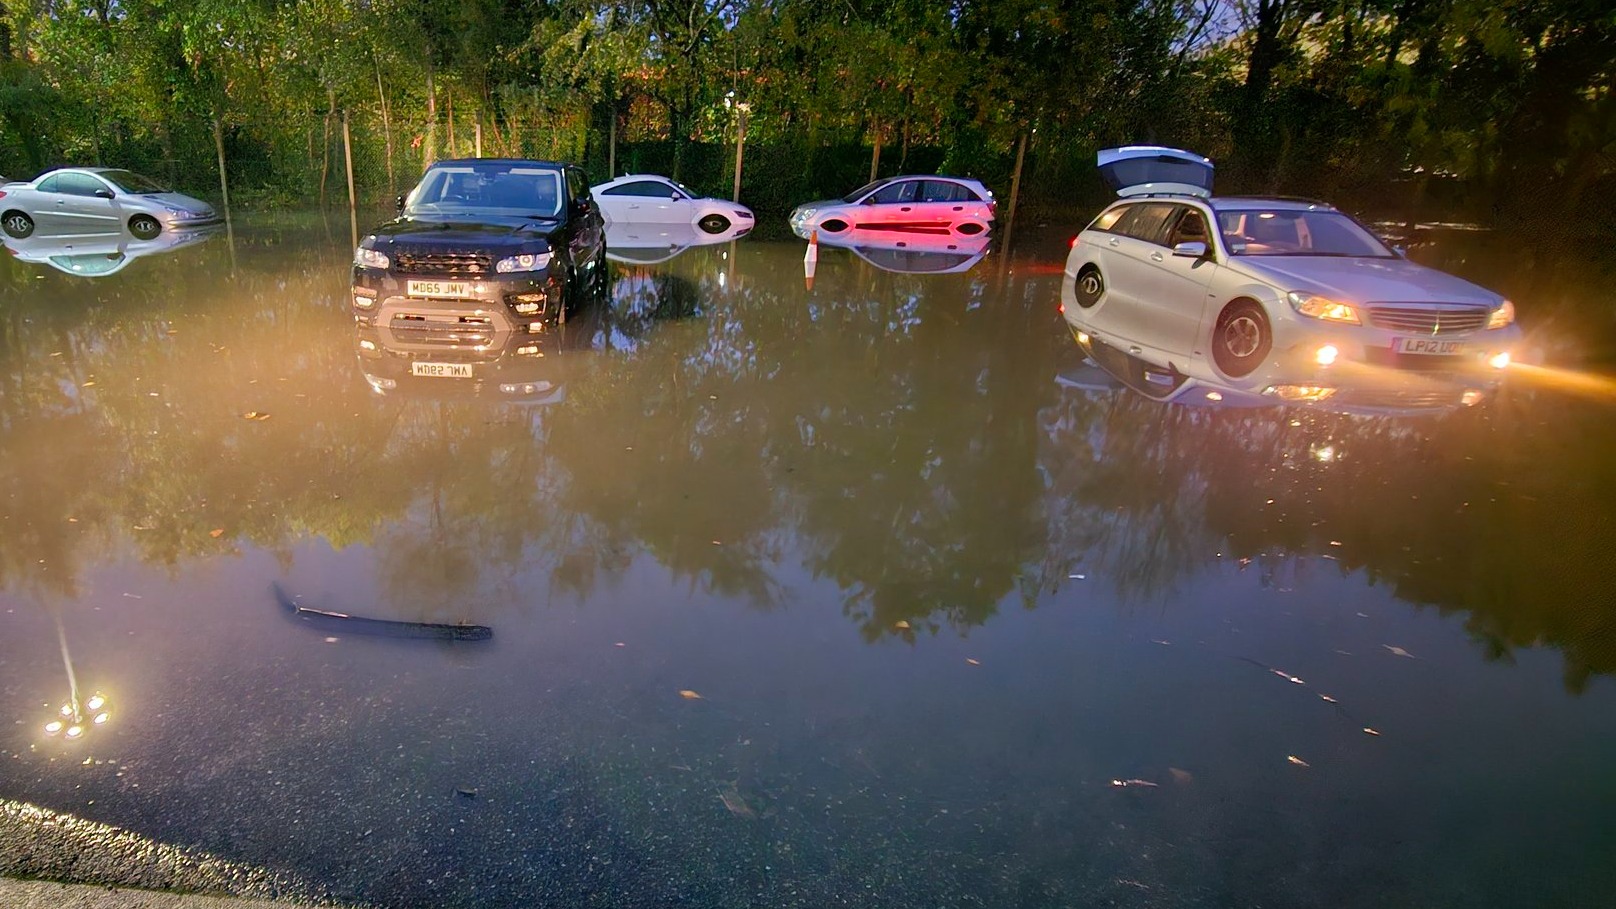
(863, 593)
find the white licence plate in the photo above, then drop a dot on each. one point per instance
(444, 370)
(451, 289)
(1430, 346)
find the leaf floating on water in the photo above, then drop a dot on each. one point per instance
(1297, 761)
(973, 662)
(1161, 642)
(1326, 698)
(620, 644)
(1369, 731)
(251, 415)
(216, 532)
(465, 792)
(1181, 777)
(901, 625)
(689, 695)
(89, 384)
(1398, 651)
(736, 805)
(1124, 784)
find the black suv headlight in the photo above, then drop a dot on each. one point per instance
(524, 262)
(371, 258)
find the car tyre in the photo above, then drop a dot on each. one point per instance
(714, 224)
(1242, 338)
(145, 227)
(1089, 286)
(971, 228)
(16, 224)
(833, 225)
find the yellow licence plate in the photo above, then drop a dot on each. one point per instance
(450, 289)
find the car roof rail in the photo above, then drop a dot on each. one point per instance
(1279, 198)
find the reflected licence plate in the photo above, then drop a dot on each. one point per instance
(443, 370)
(1430, 346)
(450, 289)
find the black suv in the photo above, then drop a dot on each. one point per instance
(482, 248)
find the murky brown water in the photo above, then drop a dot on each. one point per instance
(864, 594)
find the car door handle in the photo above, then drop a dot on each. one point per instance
(905, 208)
(959, 208)
(1136, 350)
(1115, 242)
(1155, 257)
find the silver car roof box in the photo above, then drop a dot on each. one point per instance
(1154, 170)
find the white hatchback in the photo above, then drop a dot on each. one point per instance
(909, 204)
(1269, 294)
(652, 199)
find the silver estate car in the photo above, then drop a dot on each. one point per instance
(1272, 295)
(85, 201)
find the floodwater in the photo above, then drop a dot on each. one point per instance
(797, 597)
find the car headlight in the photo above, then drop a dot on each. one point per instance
(1323, 308)
(523, 262)
(803, 214)
(1502, 316)
(371, 258)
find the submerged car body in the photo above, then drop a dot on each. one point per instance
(91, 201)
(1263, 292)
(654, 199)
(483, 246)
(913, 203)
(99, 255)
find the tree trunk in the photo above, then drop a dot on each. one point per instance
(448, 112)
(224, 182)
(477, 145)
(875, 156)
(325, 153)
(740, 147)
(611, 142)
(431, 149)
(387, 133)
(1015, 190)
(347, 160)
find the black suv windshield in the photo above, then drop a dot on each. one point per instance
(131, 182)
(1288, 232)
(522, 190)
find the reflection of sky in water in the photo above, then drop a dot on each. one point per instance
(933, 604)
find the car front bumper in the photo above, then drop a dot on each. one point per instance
(519, 302)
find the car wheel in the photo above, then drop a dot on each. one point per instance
(833, 225)
(714, 224)
(971, 228)
(1088, 287)
(16, 224)
(144, 227)
(1242, 338)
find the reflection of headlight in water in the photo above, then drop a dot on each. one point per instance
(95, 703)
(380, 384)
(53, 727)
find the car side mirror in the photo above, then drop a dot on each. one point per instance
(399, 203)
(1400, 250)
(1190, 250)
(103, 194)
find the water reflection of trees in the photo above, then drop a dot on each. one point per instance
(898, 437)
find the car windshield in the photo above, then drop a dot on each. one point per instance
(522, 190)
(131, 182)
(1289, 232)
(865, 190)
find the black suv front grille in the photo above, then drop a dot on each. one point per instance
(451, 331)
(451, 264)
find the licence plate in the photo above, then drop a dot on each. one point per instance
(444, 370)
(1428, 346)
(450, 289)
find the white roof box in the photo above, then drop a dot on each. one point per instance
(1145, 170)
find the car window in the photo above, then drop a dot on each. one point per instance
(49, 184)
(1108, 219)
(131, 182)
(577, 185)
(1147, 222)
(643, 188)
(79, 185)
(945, 191)
(901, 191)
(468, 189)
(859, 193)
(1189, 227)
(1290, 232)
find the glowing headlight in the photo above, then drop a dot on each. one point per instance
(524, 262)
(1502, 316)
(371, 258)
(804, 214)
(1323, 308)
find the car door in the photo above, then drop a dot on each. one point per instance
(944, 202)
(1174, 301)
(86, 206)
(639, 202)
(586, 228)
(43, 207)
(1130, 273)
(894, 206)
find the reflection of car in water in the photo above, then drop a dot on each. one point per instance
(97, 256)
(1379, 393)
(75, 201)
(652, 244)
(917, 254)
(476, 363)
(1259, 292)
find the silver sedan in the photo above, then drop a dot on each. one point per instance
(94, 201)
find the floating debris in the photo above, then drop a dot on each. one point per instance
(255, 415)
(736, 805)
(1398, 651)
(1076, 577)
(1327, 699)
(465, 792)
(901, 625)
(1369, 731)
(216, 532)
(689, 695)
(1161, 642)
(1124, 784)
(1181, 777)
(1297, 761)
(619, 644)
(973, 662)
